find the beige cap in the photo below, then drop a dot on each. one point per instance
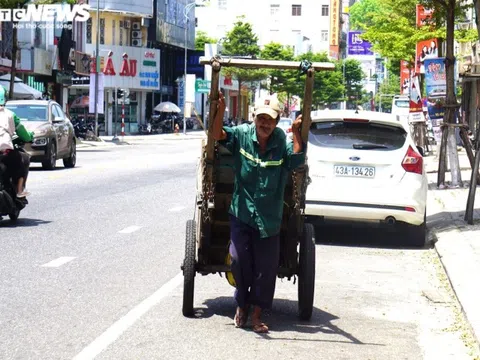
(268, 105)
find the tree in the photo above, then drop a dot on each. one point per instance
(354, 77)
(201, 39)
(242, 41)
(389, 87)
(17, 4)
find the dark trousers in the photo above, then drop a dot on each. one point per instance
(254, 264)
(17, 164)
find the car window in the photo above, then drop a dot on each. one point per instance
(29, 112)
(57, 112)
(349, 135)
(402, 103)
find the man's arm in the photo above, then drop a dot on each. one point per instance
(20, 130)
(295, 155)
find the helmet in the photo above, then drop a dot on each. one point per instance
(3, 96)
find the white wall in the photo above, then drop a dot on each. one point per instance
(283, 27)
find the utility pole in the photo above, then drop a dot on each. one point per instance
(188, 7)
(97, 67)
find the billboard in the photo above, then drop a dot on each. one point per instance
(404, 78)
(358, 46)
(424, 16)
(426, 49)
(435, 76)
(334, 28)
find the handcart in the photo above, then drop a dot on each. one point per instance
(208, 234)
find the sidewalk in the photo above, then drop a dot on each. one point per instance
(456, 242)
(107, 141)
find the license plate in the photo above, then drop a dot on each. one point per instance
(355, 171)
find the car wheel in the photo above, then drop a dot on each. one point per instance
(72, 159)
(51, 161)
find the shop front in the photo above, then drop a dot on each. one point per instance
(134, 70)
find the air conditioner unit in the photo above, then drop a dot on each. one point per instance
(127, 24)
(136, 34)
(137, 42)
(136, 26)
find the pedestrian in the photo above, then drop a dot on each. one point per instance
(17, 163)
(262, 161)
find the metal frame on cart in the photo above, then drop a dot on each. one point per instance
(207, 236)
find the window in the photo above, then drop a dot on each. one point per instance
(222, 4)
(89, 31)
(120, 41)
(102, 31)
(324, 10)
(274, 9)
(29, 112)
(351, 135)
(296, 10)
(324, 35)
(113, 32)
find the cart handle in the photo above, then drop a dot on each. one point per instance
(264, 64)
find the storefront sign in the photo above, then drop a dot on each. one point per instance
(130, 67)
(358, 46)
(334, 28)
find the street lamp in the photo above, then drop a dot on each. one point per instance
(188, 7)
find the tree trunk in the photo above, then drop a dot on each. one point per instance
(476, 4)
(14, 60)
(451, 100)
(239, 102)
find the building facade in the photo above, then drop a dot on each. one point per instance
(303, 24)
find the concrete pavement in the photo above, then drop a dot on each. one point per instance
(456, 242)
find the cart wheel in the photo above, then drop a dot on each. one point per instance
(189, 268)
(306, 274)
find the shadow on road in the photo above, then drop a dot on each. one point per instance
(363, 235)
(22, 222)
(282, 318)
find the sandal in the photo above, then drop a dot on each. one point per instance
(241, 319)
(260, 328)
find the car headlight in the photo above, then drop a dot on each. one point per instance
(40, 141)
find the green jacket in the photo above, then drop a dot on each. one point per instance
(260, 180)
(20, 130)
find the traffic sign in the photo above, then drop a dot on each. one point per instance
(202, 86)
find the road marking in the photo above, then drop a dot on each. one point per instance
(58, 262)
(120, 326)
(130, 229)
(177, 208)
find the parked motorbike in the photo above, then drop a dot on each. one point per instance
(10, 205)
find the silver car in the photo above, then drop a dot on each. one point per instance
(54, 137)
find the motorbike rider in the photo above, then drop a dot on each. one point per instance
(17, 163)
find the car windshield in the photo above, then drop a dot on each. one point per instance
(362, 136)
(284, 123)
(402, 103)
(29, 112)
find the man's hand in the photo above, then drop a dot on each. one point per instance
(218, 132)
(297, 123)
(220, 108)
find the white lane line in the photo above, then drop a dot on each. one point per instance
(130, 229)
(177, 208)
(58, 262)
(120, 326)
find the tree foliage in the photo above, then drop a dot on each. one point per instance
(201, 39)
(280, 80)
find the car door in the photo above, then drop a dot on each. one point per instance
(61, 130)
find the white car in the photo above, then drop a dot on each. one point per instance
(365, 167)
(286, 125)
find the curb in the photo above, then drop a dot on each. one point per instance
(434, 238)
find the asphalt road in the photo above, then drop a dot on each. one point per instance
(92, 270)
